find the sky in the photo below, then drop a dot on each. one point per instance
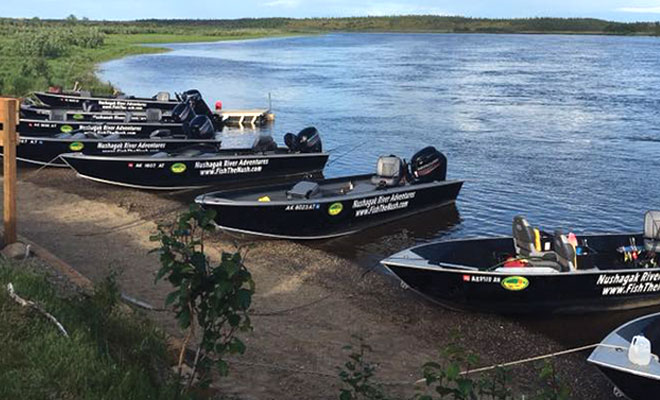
(617, 10)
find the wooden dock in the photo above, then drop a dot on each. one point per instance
(254, 117)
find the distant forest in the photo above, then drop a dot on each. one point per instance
(412, 23)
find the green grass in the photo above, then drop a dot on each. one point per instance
(109, 354)
(28, 65)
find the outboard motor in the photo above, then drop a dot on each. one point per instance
(200, 127)
(182, 113)
(428, 165)
(390, 171)
(264, 143)
(307, 140)
(194, 98)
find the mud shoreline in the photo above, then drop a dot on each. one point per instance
(309, 301)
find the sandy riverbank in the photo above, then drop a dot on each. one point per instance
(308, 303)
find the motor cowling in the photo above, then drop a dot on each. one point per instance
(428, 165)
(200, 127)
(307, 140)
(182, 113)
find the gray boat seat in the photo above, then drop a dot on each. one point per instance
(524, 238)
(652, 231)
(303, 190)
(154, 115)
(57, 115)
(388, 172)
(163, 96)
(85, 93)
(160, 154)
(565, 252)
(78, 135)
(114, 136)
(63, 136)
(264, 143)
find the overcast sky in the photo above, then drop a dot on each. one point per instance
(630, 10)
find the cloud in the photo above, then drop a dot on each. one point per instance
(640, 10)
(283, 3)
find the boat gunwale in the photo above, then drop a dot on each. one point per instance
(211, 200)
(110, 98)
(119, 139)
(395, 261)
(100, 123)
(230, 153)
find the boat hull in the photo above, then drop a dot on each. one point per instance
(634, 387)
(172, 173)
(46, 150)
(75, 102)
(28, 127)
(330, 217)
(453, 285)
(44, 114)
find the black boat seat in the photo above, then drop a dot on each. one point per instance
(565, 252)
(525, 238)
(154, 114)
(389, 172)
(163, 96)
(303, 190)
(264, 143)
(652, 231)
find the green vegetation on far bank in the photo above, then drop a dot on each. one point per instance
(40, 53)
(109, 354)
(37, 54)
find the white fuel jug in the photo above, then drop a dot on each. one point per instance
(640, 351)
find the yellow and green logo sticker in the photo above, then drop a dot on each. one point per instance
(178, 168)
(76, 146)
(66, 128)
(335, 208)
(78, 117)
(515, 283)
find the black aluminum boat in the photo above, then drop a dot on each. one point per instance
(340, 206)
(631, 377)
(46, 150)
(86, 101)
(534, 272)
(201, 166)
(150, 123)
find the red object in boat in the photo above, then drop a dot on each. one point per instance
(514, 263)
(218, 105)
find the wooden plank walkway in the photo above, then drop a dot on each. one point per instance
(249, 116)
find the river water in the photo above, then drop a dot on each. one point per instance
(562, 129)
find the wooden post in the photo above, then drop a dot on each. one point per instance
(8, 118)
